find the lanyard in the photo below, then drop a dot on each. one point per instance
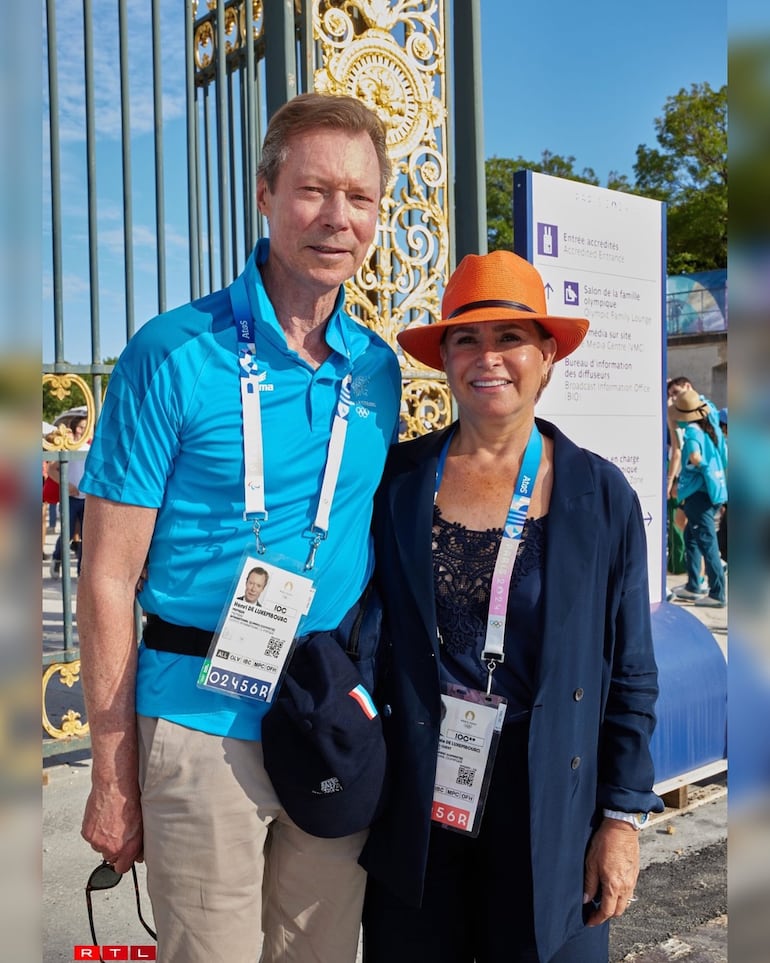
(253, 449)
(509, 544)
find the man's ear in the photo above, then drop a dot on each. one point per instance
(263, 194)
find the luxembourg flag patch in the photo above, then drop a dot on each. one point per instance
(363, 698)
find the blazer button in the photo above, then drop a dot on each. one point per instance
(575, 762)
(577, 695)
(387, 710)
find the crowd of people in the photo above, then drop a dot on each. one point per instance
(500, 568)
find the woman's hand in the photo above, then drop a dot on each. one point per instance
(611, 870)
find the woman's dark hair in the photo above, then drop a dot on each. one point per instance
(706, 425)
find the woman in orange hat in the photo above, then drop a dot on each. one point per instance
(519, 698)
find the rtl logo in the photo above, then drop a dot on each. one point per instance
(115, 951)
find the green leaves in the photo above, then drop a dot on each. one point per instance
(689, 173)
(499, 179)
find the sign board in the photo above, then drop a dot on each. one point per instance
(601, 255)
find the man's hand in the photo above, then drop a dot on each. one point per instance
(112, 824)
(612, 868)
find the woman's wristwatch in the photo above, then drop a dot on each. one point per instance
(637, 820)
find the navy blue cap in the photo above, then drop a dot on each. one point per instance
(322, 741)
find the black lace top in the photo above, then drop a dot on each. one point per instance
(463, 563)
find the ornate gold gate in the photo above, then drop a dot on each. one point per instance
(392, 57)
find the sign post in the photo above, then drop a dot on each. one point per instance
(601, 255)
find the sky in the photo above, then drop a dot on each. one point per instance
(588, 79)
(582, 80)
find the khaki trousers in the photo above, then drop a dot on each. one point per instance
(227, 870)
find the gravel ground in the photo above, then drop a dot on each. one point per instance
(676, 899)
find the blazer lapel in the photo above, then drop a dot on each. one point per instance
(411, 515)
(572, 539)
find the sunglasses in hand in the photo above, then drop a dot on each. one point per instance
(105, 877)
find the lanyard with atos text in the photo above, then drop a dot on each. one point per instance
(253, 450)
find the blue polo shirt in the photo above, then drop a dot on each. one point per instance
(170, 437)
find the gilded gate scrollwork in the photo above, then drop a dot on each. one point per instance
(391, 56)
(67, 673)
(71, 727)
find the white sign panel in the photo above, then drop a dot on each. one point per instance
(601, 256)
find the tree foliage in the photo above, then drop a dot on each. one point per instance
(688, 170)
(499, 179)
(749, 139)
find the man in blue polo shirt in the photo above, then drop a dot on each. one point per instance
(216, 443)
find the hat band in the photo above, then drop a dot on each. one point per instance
(473, 305)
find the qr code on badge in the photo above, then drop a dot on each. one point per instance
(273, 648)
(465, 775)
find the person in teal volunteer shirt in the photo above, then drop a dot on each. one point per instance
(701, 437)
(178, 776)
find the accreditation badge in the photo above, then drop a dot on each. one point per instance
(471, 722)
(256, 631)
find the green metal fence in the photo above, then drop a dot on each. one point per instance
(151, 147)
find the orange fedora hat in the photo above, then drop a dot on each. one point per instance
(500, 286)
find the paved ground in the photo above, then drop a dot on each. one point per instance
(682, 890)
(681, 914)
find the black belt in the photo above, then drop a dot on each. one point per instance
(186, 640)
(165, 636)
(179, 639)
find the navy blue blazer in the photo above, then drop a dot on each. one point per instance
(596, 682)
